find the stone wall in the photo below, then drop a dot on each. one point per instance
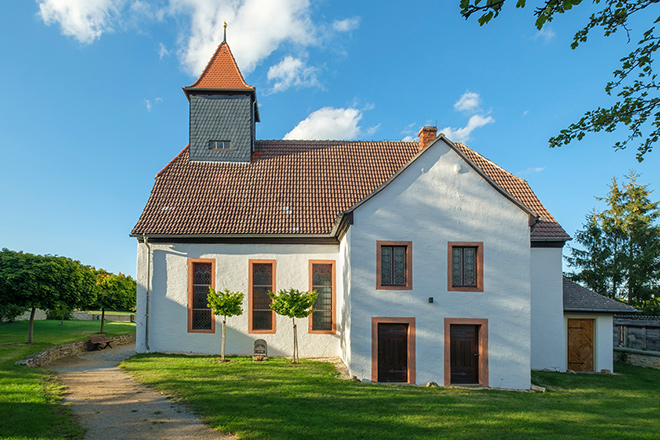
(640, 358)
(46, 357)
(86, 316)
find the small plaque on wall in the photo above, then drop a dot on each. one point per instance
(260, 350)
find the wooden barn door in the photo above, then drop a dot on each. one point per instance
(464, 353)
(392, 352)
(581, 344)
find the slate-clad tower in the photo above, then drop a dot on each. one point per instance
(223, 111)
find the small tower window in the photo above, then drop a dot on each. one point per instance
(219, 145)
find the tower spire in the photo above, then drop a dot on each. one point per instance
(224, 39)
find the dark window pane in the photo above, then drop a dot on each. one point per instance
(457, 266)
(262, 274)
(322, 275)
(260, 298)
(399, 265)
(386, 261)
(202, 273)
(322, 320)
(200, 297)
(201, 319)
(470, 266)
(262, 320)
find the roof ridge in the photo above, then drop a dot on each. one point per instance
(461, 145)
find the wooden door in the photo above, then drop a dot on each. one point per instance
(464, 353)
(392, 352)
(581, 344)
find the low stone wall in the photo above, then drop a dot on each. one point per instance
(86, 316)
(640, 358)
(46, 357)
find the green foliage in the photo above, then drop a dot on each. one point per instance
(225, 303)
(620, 254)
(60, 312)
(293, 303)
(44, 281)
(9, 312)
(115, 291)
(639, 104)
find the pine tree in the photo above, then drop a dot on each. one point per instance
(620, 255)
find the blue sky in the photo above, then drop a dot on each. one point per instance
(91, 106)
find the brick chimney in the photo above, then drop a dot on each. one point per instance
(426, 136)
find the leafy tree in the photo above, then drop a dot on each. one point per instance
(45, 282)
(636, 82)
(10, 311)
(225, 303)
(114, 292)
(620, 255)
(294, 304)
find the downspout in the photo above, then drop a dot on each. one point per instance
(146, 330)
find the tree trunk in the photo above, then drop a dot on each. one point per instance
(295, 341)
(102, 318)
(31, 329)
(224, 326)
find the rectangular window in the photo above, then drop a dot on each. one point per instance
(322, 279)
(219, 145)
(262, 281)
(201, 276)
(394, 265)
(465, 267)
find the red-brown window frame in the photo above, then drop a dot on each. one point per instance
(334, 296)
(480, 266)
(409, 250)
(250, 297)
(191, 261)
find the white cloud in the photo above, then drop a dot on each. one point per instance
(546, 34)
(256, 29)
(372, 130)
(463, 134)
(531, 170)
(409, 139)
(163, 51)
(84, 20)
(346, 25)
(150, 105)
(328, 123)
(292, 72)
(468, 103)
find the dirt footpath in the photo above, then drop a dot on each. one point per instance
(111, 405)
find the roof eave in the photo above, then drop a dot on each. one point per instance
(586, 310)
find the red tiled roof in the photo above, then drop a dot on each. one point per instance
(221, 72)
(294, 187)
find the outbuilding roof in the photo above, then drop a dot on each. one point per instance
(581, 299)
(296, 188)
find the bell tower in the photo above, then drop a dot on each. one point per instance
(223, 111)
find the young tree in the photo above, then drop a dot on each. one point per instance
(114, 292)
(620, 255)
(45, 282)
(225, 303)
(639, 103)
(294, 304)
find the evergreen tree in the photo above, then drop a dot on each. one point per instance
(620, 255)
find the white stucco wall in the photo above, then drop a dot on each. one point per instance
(438, 199)
(169, 297)
(548, 329)
(603, 338)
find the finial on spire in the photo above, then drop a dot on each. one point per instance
(224, 40)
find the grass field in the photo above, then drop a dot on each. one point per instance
(277, 400)
(29, 397)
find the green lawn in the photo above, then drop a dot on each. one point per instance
(29, 397)
(277, 400)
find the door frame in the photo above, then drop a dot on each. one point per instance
(483, 348)
(410, 340)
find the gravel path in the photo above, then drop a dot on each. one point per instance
(111, 405)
